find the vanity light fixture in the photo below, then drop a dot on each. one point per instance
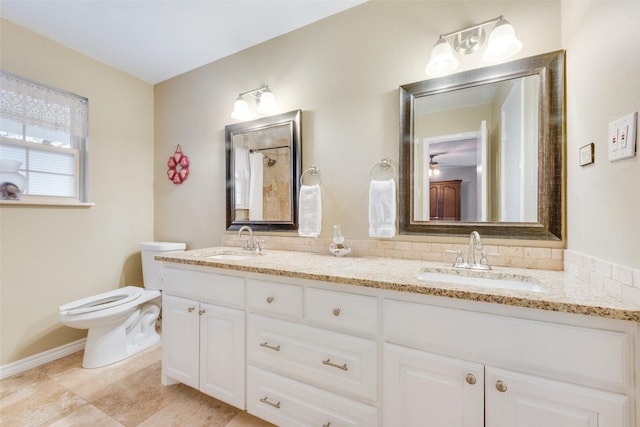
(502, 44)
(265, 101)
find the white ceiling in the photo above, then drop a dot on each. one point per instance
(155, 40)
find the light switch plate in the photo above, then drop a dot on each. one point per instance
(622, 137)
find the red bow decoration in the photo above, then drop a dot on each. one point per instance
(178, 166)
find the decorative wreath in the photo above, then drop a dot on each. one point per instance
(178, 166)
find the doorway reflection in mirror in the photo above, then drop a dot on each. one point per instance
(486, 139)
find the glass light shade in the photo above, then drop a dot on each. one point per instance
(502, 42)
(267, 102)
(241, 110)
(442, 59)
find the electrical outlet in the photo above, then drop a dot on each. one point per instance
(622, 137)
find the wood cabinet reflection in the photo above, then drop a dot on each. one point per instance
(444, 200)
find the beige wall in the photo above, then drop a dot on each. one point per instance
(343, 73)
(53, 255)
(603, 84)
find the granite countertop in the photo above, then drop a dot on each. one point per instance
(564, 293)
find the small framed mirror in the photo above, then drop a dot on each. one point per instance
(263, 160)
(484, 150)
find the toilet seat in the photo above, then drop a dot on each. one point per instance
(102, 301)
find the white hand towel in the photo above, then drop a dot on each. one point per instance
(309, 211)
(382, 208)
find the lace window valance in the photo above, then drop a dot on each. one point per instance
(39, 105)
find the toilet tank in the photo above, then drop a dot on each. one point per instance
(152, 269)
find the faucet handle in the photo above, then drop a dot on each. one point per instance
(257, 246)
(459, 257)
(484, 262)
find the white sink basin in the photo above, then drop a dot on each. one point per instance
(513, 282)
(233, 255)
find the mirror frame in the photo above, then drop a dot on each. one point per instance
(293, 119)
(551, 149)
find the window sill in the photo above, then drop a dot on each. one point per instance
(46, 203)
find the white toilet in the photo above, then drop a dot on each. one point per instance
(121, 322)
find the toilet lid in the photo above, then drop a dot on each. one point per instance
(102, 301)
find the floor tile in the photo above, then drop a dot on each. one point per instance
(87, 382)
(47, 403)
(193, 409)
(247, 420)
(20, 386)
(85, 416)
(136, 397)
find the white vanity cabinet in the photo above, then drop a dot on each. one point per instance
(439, 366)
(203, 343)
(302, 369)
(299, 352)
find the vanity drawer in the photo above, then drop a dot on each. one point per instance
(203, 286)
(341, 310)
(582, 355)
(274, 298)
(328, 359)
(286, 402)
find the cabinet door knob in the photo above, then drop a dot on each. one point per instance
(201, 312)
(190, 309)
(336, 312)
(266, 400)
(470, 379)
(269, 300)
(500, 386)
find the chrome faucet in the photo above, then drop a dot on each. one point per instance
(471, 256)
(475, 244)
(250, 244)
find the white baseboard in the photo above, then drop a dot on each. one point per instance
(41, 358)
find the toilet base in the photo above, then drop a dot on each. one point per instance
(105, 346)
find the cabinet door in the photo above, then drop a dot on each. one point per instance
(424, 389)
(518, 400)
(180, 339)
(222, 354)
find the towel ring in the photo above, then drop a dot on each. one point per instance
(383, 164)
(313, 171)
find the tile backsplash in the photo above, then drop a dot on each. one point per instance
(503, 256)
(615, 280)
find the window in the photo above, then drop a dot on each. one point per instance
(43, 132)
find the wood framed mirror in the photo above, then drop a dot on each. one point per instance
(484, 150)
(263, 160)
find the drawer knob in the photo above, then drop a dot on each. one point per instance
(500, 386)
(336, 312)
(269, 300)
(329, 363)
(190, 309)
(266, 400)
(470, 379)
(327, 424)
(269, 346)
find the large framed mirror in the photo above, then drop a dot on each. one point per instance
(484, 150)
(263, 160)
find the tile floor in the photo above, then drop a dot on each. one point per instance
(127, 393)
